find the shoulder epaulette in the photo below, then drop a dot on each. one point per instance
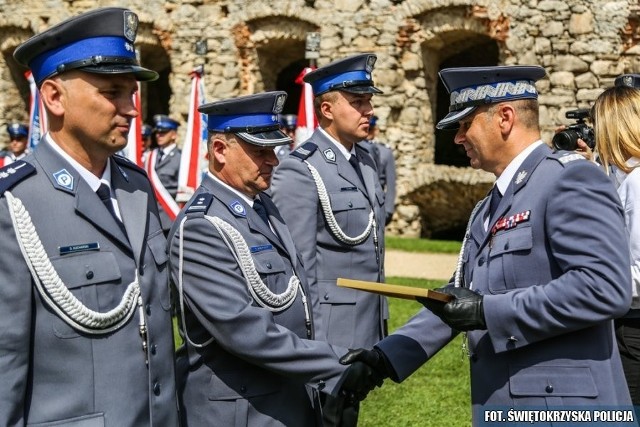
(13, 173)
(304, 151)
(565, 157)
(199, 204)
(124, 161)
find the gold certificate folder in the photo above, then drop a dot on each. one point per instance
(396, 291)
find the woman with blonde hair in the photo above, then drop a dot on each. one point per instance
(616, 116)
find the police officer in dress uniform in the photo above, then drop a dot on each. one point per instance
(386, 165)
(544, 266)
(288, 125)
(329, 195)
(167, 159)
(84, 303)
(245, 306)
(18, 134)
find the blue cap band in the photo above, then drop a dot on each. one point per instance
(47, 63)
(241, 122)
(328, 83)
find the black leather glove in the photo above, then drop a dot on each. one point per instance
(463, 313)
(367, 371)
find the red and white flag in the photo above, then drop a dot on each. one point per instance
(38, 125)
(307, 121)
(133, 150)
(162, 195)
(192, 161)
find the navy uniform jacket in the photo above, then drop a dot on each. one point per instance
(256, 369)
(350, 318)
(553, 275)
(168, 169)
(50, 373)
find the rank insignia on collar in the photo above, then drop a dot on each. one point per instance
(510, 222)
(238, 208)
(329, 155)
(64, 179)
(521, 176)
(124, 174)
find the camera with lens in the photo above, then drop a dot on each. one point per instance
(568, 138)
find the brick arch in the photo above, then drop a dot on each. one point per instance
(266, 47)
(442, 196)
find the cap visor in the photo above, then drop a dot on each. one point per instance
(272, 138)
(361, 89)
(140, 73)
(450, 121)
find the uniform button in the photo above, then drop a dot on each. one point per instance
(326, 297)
(156, 388)
(243, 389)
(549, 388)
(269, 265)
(350, 204)
(153, 349)
(321, 385)
(89, 274)
(506, 245)
(147, 309)
(481, 262)
(512, 339)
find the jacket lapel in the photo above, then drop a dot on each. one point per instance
(134, 205)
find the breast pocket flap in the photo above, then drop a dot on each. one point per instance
(347, 200)
(241, 385)
(517, 239)
(87, 269)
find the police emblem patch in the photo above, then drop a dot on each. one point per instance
(64, 179)
(237, 208)
(130, 25)
(279, 104)
(627, 81)
(329, 155)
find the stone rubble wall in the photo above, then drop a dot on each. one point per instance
(583, 44)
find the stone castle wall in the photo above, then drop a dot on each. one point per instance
(583, 44)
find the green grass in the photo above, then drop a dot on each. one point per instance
(422, 245)
(436, 395)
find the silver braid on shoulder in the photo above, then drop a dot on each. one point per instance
(54, 292)
(325, 203)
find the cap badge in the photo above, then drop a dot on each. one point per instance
(521, 176)
(64, 179)
(627, 81)
(130, 25)
(371, 60)
(238, 208)
(279, 104)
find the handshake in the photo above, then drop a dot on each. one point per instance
(367, 371)
(369, 368)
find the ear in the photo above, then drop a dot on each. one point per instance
(326, 109)
(52, 94)
(506, 118)
(218, 149)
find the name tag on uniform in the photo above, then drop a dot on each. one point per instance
(349, 189)
(260, 248)
(65, 250)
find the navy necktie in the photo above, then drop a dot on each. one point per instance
(105, 195)
(494, 201)
(354, 162)
(160, 155)
(260, 210)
